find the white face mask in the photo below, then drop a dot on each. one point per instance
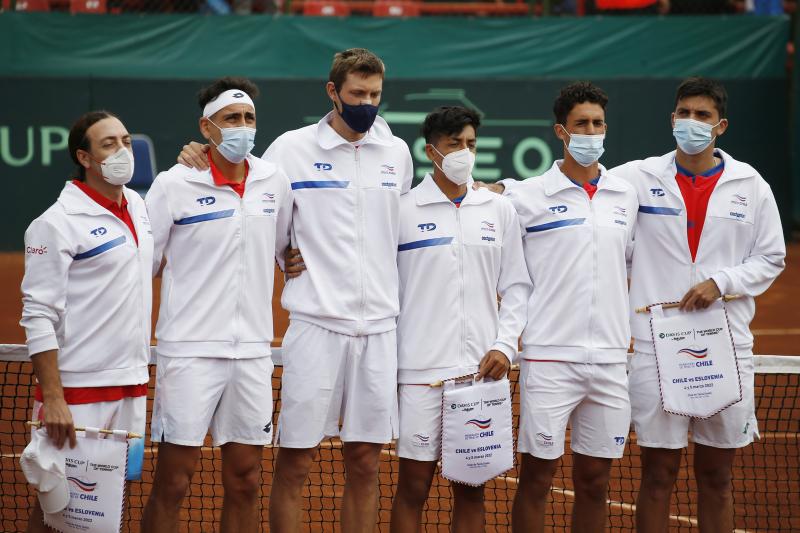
(457, 166)
(117, 169)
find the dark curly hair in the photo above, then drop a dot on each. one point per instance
(577, 93)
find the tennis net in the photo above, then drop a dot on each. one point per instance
(766, 474)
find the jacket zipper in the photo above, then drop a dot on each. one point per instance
(243, 225)
(360, 235)
(461, 284)
(595, 281)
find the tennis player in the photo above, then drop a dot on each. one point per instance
(218, 231)
(707, 225)
(459, 249)
(578, 221)
(340, 351)
(87, 294)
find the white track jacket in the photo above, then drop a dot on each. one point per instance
(741, 247)
(345, 223)
(87, 290)
(216, 291)
(576, 252)
(453, 263)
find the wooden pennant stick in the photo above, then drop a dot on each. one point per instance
(673, 305)
(441, 382)
(39, 424)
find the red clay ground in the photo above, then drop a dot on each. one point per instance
(767, 491)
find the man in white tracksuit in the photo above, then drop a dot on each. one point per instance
(459, 248)
(707, 225)
(578, 221)
(218, 231)
(340, 352)
(86, 299)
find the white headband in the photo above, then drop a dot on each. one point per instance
(232, 96)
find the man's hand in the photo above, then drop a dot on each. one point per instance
(193, 155)
(700, 296)
(294, 263)
(494, 364)
(58, 421)
(498, 188)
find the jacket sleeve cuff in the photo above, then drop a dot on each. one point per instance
(42, 343)
(723, 282)
(506, 350)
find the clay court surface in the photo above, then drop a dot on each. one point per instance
(767, 474)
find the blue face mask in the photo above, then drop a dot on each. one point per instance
(236, 143)
(585, 149)
(692, 135)
(358, 117)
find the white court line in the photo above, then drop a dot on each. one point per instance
(630, 507)
(776, 331)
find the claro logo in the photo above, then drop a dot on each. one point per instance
(31, 250)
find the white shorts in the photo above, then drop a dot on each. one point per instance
(593, 398)
(734, 427)
(230, 397)
(420, 409)
(332, 380)
(128, 414)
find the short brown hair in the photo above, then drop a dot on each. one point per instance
(354, 60)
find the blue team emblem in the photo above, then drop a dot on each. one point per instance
(207, 200)
(323, 166)
(427, 226)
(558, 209)
(99, 231)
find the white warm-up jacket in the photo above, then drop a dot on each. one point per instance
(741, 247)
(576, 251)
(220, 250)
(87, 290)
(345, 223)
(453, 263)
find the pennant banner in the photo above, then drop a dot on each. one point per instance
(477, 441)
(697, 367)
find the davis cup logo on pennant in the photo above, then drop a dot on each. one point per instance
(477, 443)
(697, 368)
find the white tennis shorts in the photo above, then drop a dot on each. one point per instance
(337, 385)
(420, 422)
(230, 397)
(128, 414)
(592, 398)
(734, 427)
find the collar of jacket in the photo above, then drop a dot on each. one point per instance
(428, 192)
(556, 181)
(327, 137)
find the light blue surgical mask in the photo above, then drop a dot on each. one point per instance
(585, 149)
(236, 142)
(692, 135)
